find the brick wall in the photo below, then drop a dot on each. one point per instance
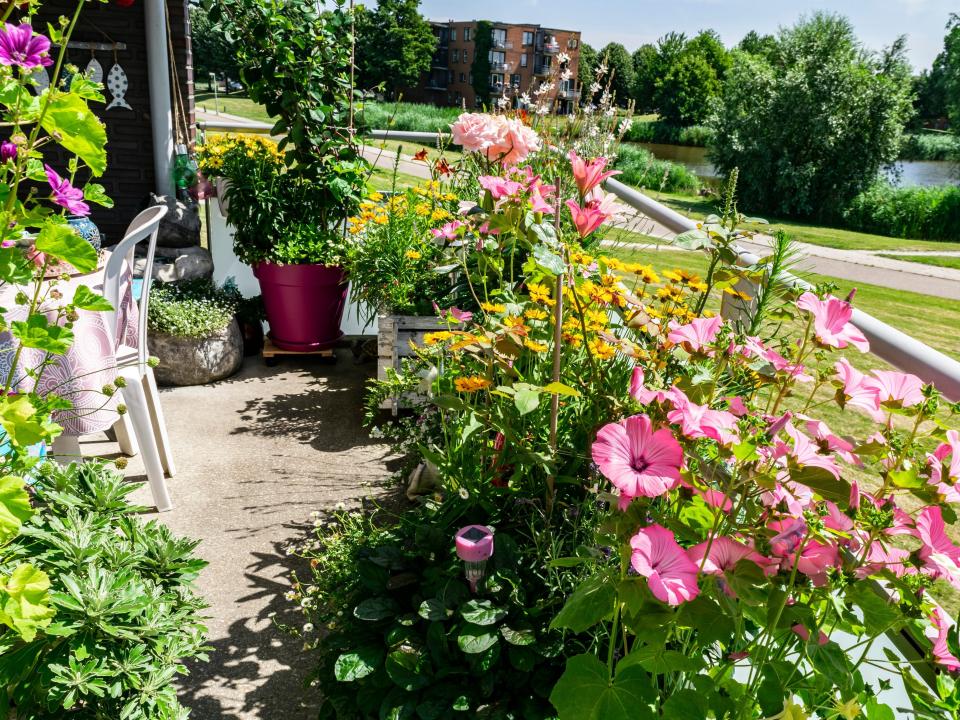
(129, 177)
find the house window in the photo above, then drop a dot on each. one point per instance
(466, 34)
(456, 56)
(497, 57)
(466, 56)
(515, 80)
(453, 34)
(499, 37)
(463, 77)
(523, 60)
(527, 38)
(496, 80)
(572, 43)
(470, 78)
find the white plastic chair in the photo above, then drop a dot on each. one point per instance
(142, 427)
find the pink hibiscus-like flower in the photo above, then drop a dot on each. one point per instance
(700, 421)
(941, 625)
(19, 46)
(636, 459)
(815, 557)
(8, 151)
(801, 630)
(943, 475)
(697, 335)
(754, 348)
(671, 575)
(722, 555)
(898, 389)
(804, 453)
(66, 195)
(448, 231)
(642, 394)
(940, 556)
(880, 557)
(454, 314)
(588, 175)
(587, 218)
(859, 390)
(831, 322)
(538, 203)
(829, 442)
(715, 498)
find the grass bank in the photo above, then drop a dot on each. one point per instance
(944, 261)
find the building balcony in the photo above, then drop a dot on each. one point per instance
(549, 48)
(436, 85)
(569, 94)
(498, 67)
(502, 45)
(542, 69)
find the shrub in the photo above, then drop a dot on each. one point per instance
(127, 614)
(657, 131)
(193, 309)
(641, 169)
(410, 117)
(929, 146)
(929, 213)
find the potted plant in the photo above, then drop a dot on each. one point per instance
(295, 60)
(194, 332)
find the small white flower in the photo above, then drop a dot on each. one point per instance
(340, 506)
(566, 74)
(601, 69)
(317, 523)
(625, 126)
(376, 433)
(315, 514)
(308, 627)
(525, 99)
(563, 57)
(290, 595)
(595, 87)
(610, 112)
(503, 103)
(588, 109)
(543, 109)
(464, 493)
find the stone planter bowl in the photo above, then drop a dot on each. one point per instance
(197, 361)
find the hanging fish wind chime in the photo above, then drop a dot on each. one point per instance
(94, 69)
(118, 84)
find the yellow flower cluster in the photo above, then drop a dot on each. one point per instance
(471, 383)
(220, 149)
(377, 210)
(434, 191)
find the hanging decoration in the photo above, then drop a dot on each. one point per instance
(118, 84)
(94, 69)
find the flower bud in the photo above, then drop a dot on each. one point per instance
(121, 409)
(8, 151)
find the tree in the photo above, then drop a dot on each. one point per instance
(480, 69)
(754, 43)
(707, 44)
(619, 71)
(811, 131)
(687, 91)
(394, 44)
(644, 78)
(951, 70)
(211, 52)
(587, 67)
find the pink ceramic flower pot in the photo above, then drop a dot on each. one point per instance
(303, 303)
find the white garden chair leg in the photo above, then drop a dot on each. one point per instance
(137, 406)
(159, 424)
(66, 449)
(126, 438)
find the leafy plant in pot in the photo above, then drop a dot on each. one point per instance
(290, 219)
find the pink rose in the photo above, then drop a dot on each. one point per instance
(475, 132)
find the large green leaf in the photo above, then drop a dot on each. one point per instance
(585, 691)
(685, 705)
(78, 130)
(590, 603)
(19, 420)
(61, 242)
(357, 664)
(26, 601)
(482, 612)
(86, 299)
(15, 506)
(408, 668)
(657, 660)
(37, 332)
(474, 639)
(376, 608)
(879, 615)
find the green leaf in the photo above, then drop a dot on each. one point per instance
(908, 478)
(78, 130)
(358, 664)
(590, 603)
(19, 419)
(86, 299)
(408, 668)
(521, 637)
(482, 612)
(693, 240)
(15, 508)
(707, 617)
(586, 691)
(879, 616)
(548, 260)
(37, 332)
(875, 710)
(26, 601)
(432, 609)
(822, 482)
(96, 193)
(657, 660)
(685, 705)
(377, 608)
(526, 398)
(474, 639)
(60, 241)
(558, 388)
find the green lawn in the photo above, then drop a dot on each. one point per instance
(946, 261)
(699, 207)
(234, 104)
(409, 149)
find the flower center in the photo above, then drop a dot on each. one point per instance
(639, 465)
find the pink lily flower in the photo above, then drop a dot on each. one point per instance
(637, 460)
(589, 175)
(897, 388)
(539, 204)
(724, 554)
(671, 575)
(859, 390)
(831, 322)
(587, 218)
(448, 231)
(697, 335)
(941, 625)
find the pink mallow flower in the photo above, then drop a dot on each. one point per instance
(448, 231)
(941, 625)
(66, 195)
(636, 459)
(500, 187)
(859, 390)
(943, 475)
(19, 46)
(801, 630)
(697, 335)
(8, 151)
(671, 575)
(897, 388)
(700, 421)
(831, 322)
(940, 556)
(642, 394)
(589, 175)
(721, 555)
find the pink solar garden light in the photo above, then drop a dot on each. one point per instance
(474, 547)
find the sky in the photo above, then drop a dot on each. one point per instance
(634, 22)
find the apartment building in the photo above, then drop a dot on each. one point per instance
(521, 57)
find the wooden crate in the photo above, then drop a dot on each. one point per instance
(394, 334)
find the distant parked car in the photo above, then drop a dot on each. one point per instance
(233, 85)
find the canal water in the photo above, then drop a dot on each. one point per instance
(908, 173)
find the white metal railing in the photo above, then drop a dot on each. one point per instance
(886, 342)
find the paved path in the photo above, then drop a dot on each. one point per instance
(257, 454)
(853, 265)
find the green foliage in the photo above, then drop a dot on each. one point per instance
(395, 44)
(641, 169)
(192, 309)
(480, 68)
(938, 89)
(657, 131)
(754, 43)
(295, 61)
(645, 66)
(126, 612)
(211, 51)
(414, 117)
(929, 146)
(812, 130)
(587, 66)
(689, 80)
(930, 213)
(619, 71)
